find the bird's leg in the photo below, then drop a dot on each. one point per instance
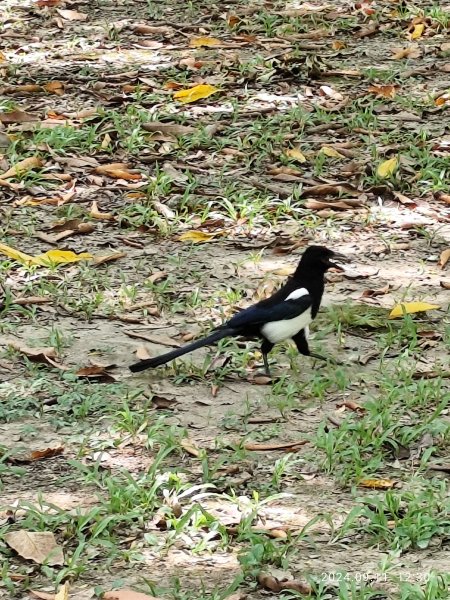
(302, 346)
(266, 347)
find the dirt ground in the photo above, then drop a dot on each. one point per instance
(329, 125)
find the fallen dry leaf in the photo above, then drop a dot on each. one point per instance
(101, 260)
(72, 15)
(17, 116)
(331, 152)
(195, 93)
(411, 308)
(387, 168)
(197, 237)
(296, 154)
(417, 31)
(190, 447)
(198, 42)
(47, 453)
(38, 546)
(386, 91)
(168, 128)
(126, 594)
(97, 373)
(267, 447)
(117, 171)
(377, 484)
(444, 258)
(23, 166)
(101, 216)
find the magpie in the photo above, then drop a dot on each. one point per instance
(284, 315)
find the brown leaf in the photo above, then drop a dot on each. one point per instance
(42, 595)
(163, 402)
(17, 116)
(97, 373)
(125, 594)
(445, 284)
(149, 29)
(47, 453)
(412, 51)
(101, 260)
(117, 171)
(72, 15)
(190, 447)
(354, 406)
(32, 162)
(267, 447)
(54, 87)
(386, 91)
(337, 205)
(43, 355)
(100, 216)
(325, 189)
(444, 258)
(38, 546)
(168, 128)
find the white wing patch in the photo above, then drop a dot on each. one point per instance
(296, 294)
(278, 331)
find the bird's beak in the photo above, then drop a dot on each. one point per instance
(339, 258)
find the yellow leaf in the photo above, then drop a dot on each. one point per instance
(63, 593)
(410, 308)
(386, 168)
(296, 154)
(203, 41)
(444, 258)
(377, 484)
(338, 45)
(195, 93)
(284, 271)
(331, 152)
(59, 257)
(25, 259)
(417, 32)
(54, 87)
(22, 166)
(198, 237)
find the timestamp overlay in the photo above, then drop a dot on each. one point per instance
(363, 576)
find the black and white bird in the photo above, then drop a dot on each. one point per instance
(285, 315)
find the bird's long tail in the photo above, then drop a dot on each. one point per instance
(150, 363)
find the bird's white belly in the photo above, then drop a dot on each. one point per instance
(278, 331)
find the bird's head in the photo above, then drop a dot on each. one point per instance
(319, 259)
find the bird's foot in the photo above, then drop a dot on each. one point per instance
(329, 359)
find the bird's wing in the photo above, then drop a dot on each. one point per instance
(259, 315)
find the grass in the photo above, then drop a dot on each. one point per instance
(144, 490)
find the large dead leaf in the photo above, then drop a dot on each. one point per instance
(117, 171)
(100, 216)
(168, 128)
(23, 166)
(198, 92)
(17, 116)
(60, 257)
(411, 308)
(101, 260)
(386, 91)
(126, 594)
(444, 258)
(72, 15)
(38, 546)
(43, 355)
(387, 168)
(296, 154)
(198, 42)
(378, 484)
(268, 447)
(197, 237)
